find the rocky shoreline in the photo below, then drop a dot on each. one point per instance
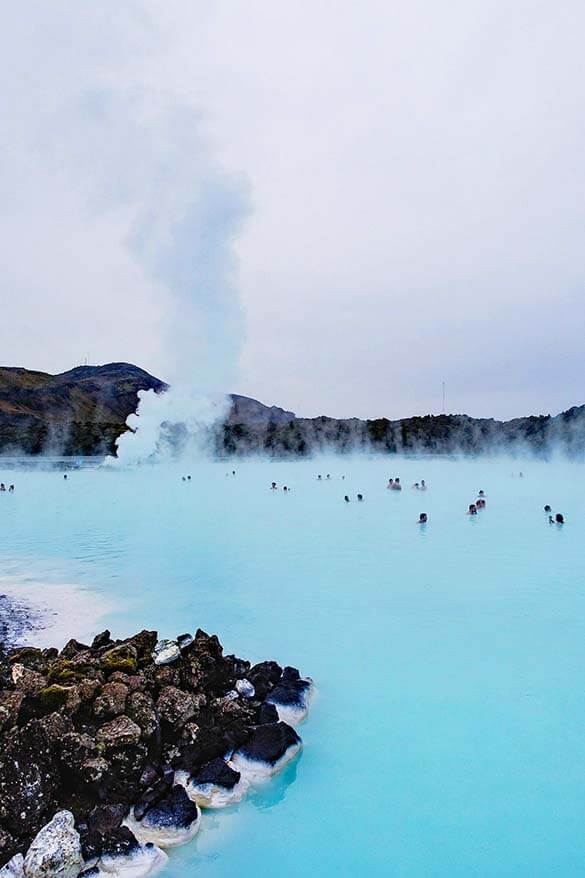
(109, 751)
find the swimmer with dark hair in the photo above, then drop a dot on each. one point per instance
(273, 486)
(423, 486)
(360, 497)
(559, 518)
(11, 489)
(472, 509)
(423, 518)
(2, 486)
(319, 476)
(390, 483)
(480, 503)
(65, 476)
(346, 498)
(481, 494)
(328, 475)
(547, 508)
(416, 486)
(189, 478)
(397, 486)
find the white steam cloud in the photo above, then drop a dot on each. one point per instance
(183, 214)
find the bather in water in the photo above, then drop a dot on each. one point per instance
(423, 485)
(397, 486)
(559, 518)
(346, 498)
(472, 509)
(423, 518)
(390, 484)
(547, 508)
(360, 497)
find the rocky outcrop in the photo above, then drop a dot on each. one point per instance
(107, 756)
(79, 412)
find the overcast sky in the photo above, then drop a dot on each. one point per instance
(330, 206)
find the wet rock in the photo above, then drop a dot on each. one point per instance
(111, 701)
(120, 732)
(270, 747)
(267, 714)
(291, 697)
(264, 677)
(166, 652)
(56, 850)
(215, 785)
(174, 820)
(117, 841)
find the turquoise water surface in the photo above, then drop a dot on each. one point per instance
(448, 734)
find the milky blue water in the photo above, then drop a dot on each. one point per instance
(448, 736)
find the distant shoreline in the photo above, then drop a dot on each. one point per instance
(36, 613)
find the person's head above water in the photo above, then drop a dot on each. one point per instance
(547, 508)
(423, 518)
(346, 498)
(416, 485)
(360, 496)
(273, 485)
(481, 494)
(472, 509)
(559, 518)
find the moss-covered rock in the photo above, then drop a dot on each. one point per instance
(53, 697)
(120, 658)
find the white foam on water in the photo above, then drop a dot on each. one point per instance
(162, 836)
(211, 795)
(140, 863)
(256, 771)
(294, 715)
(56, 611)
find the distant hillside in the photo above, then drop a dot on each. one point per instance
(84, 411)
(437, 434)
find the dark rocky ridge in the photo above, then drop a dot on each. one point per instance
(98, 729)
(84, 411)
